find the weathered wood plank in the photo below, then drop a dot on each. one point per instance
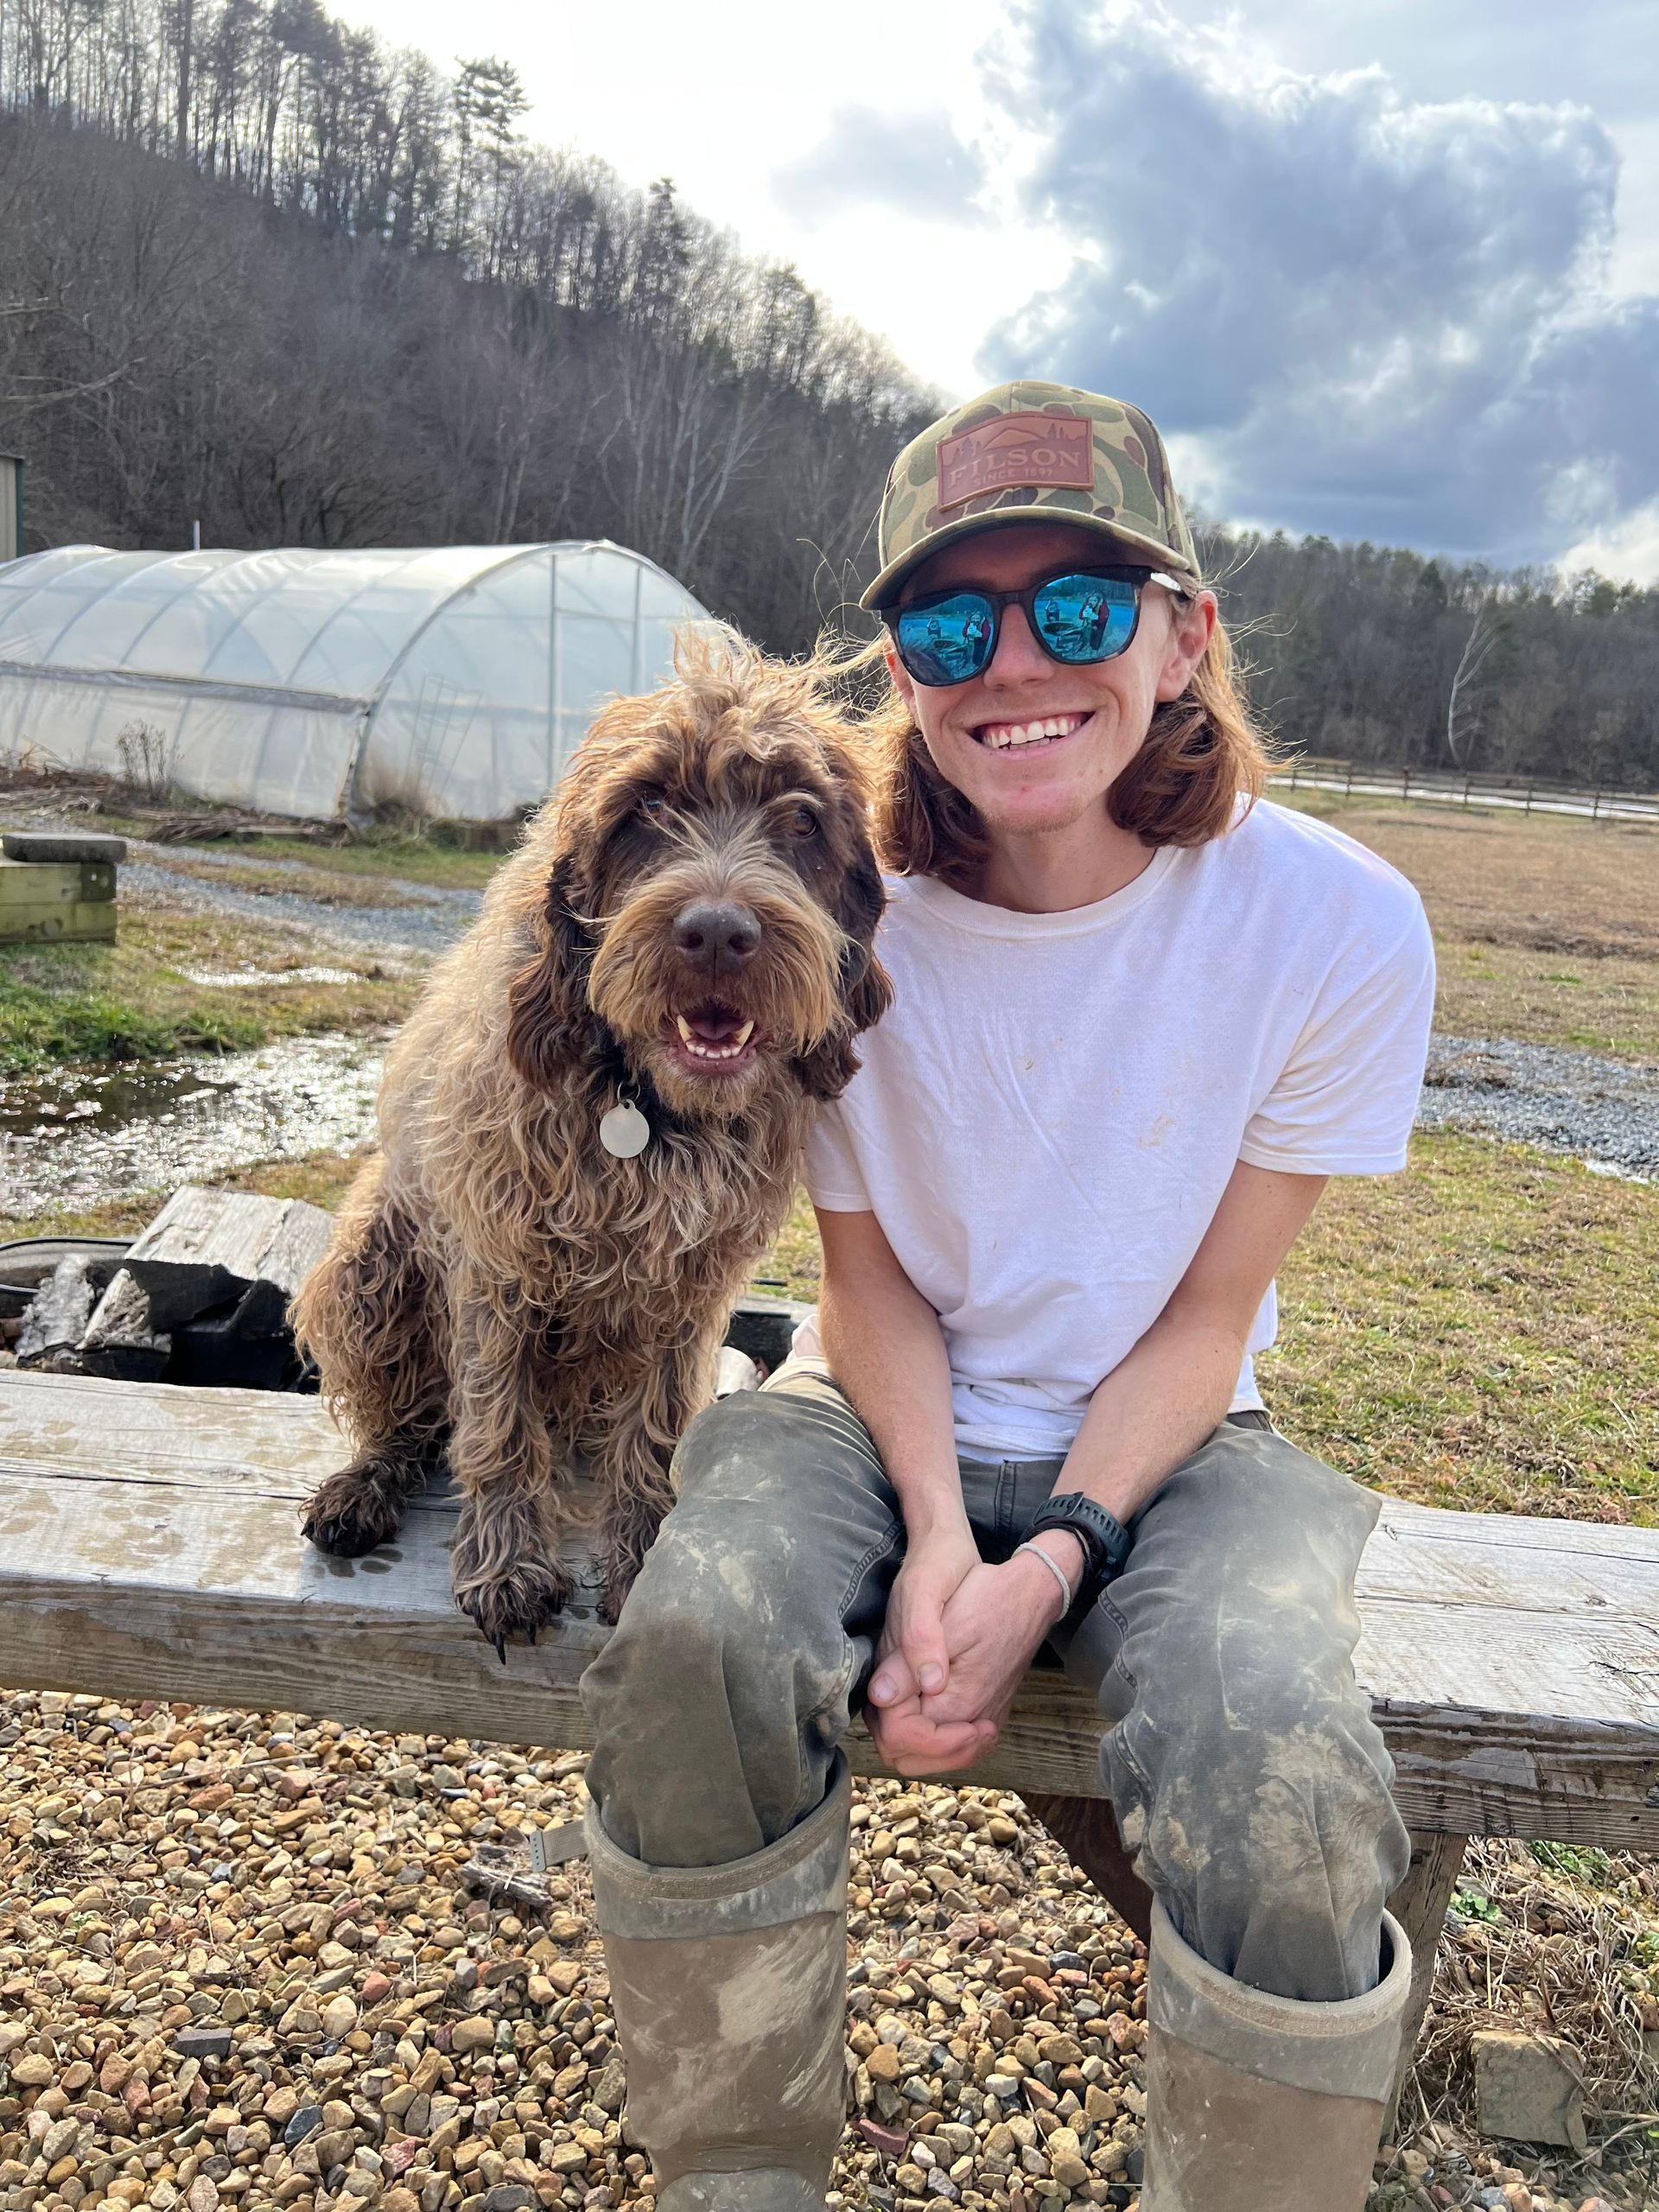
(148, 1547)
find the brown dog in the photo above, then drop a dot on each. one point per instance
(685, 936)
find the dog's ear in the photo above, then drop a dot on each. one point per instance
(549, 1019)
(866, 990)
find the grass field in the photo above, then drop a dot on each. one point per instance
(1482, 1331)
(1547, 928)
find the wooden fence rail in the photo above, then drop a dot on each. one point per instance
(1439, 787)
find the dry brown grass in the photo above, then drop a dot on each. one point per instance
(1565, 1942)
(320, 1178)
(1548, 928)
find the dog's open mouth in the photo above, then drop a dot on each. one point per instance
(712, 1038)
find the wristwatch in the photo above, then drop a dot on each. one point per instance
(1104, 1541)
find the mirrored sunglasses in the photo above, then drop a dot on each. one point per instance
(1079, 618)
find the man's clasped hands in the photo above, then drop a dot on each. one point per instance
(959, 1636)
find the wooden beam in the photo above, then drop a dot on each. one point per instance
(149, 1546)
(1419, 1904)
(1086, 1828)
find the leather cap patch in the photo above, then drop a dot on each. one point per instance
(1037, 451)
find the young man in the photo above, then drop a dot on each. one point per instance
(1138, 1021)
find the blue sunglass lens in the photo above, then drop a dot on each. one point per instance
(1082, 619)
(948, 641)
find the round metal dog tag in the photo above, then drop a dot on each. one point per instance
(623, 1132)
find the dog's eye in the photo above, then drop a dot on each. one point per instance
(653, 804)
(803, 822)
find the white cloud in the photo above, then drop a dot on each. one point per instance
(1629, 547)
(1355, 312)
(915, 164)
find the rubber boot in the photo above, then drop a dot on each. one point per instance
(728, 1990)
(1257, 2103)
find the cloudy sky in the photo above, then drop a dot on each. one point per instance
(1386, 270)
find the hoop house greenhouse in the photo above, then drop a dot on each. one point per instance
(453, 680)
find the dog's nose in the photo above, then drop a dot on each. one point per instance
(716, 929)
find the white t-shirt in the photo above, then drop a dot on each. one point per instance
(1048, 1116)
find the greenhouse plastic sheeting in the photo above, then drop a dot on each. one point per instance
(453, 680)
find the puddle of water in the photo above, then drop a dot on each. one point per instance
(70, 1107)
(218, 979)
(72, 1140)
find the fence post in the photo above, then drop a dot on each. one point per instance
(1351, 779)
(1530, 793)
(1595, 804)
(1405, 783)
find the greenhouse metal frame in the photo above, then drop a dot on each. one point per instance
(446, 680)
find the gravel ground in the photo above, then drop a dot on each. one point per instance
(424, 919)
(1602, 1110)
(238, 1967)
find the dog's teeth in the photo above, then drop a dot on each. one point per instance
(701, 1049)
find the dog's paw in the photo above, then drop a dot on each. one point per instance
(526, 1597)
(353, 1512)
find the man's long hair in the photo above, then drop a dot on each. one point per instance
(1182, 788)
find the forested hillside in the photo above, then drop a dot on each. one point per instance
(1356, 650)
(258, 271)
(255, 270)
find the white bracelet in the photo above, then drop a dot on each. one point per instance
(1066, 1591)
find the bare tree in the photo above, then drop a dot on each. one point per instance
(1484, 633)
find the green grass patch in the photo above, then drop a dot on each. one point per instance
(67, 1004)
(417, 859)
(42, 1027)
(1588, 1866)
(332, 875)
(1475, 1905)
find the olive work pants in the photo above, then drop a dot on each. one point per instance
(1245, 1768)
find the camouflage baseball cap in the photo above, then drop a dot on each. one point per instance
(1032, 452)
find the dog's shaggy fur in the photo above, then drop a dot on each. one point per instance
(499, 1286)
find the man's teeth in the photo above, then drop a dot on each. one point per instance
(704, 1050)
(999, 734)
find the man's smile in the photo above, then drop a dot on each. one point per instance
(1038, 729)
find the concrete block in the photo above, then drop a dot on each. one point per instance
(1528, 2088)
(50, 901)
(60, 845)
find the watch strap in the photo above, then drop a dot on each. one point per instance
(1102, 1536)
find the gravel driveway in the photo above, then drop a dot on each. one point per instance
(1601, 1111)
(419, 917)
